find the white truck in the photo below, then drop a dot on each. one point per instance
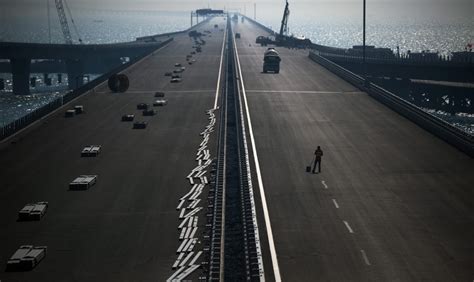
(160, 102)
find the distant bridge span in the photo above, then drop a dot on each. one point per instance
(74, 56)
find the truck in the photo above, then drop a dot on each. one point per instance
(271, 61)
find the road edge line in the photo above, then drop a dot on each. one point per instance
(266, 215)
(220, 70)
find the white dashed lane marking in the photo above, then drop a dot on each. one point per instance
(348, 226)
(364, 256)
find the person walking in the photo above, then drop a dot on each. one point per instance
(317, 159)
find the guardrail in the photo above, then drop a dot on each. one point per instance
(456, 137)
(13, 127)
(267, 29)
(387, 59)
(152, 37)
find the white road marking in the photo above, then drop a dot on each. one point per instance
(348, 227)
(364, 256)
(266, 215)
(222, 255)
(220, 70)
(302, 91)
(167, 91)
(335, 203)
(324, 184)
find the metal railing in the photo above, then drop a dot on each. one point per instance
(152, 37)
(267, 29)
(343, 56)
(453, 135)
(14, 126)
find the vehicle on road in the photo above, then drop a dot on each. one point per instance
(70, 113)
(140, 125)
(142, 106)
(271, 61)
(128, 117)
(149, 112)
(160, 102)
(79, 109)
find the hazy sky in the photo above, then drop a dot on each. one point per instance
(194, 4)
(314, 9)
(427, 17)
(30, 8)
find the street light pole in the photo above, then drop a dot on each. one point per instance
(363, 44)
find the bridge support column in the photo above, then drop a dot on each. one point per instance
(75, 73)
(111, 63)
(21, 76)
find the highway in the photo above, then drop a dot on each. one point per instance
(124, 228)
(392, 203)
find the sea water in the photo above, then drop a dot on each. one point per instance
(416, 25)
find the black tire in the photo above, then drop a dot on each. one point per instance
(118, 83)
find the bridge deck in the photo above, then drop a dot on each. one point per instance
(125, 227)
(405, 195)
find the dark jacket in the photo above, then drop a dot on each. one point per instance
(318, 153)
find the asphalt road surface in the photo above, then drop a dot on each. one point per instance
(124, 228)
(392, 203)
